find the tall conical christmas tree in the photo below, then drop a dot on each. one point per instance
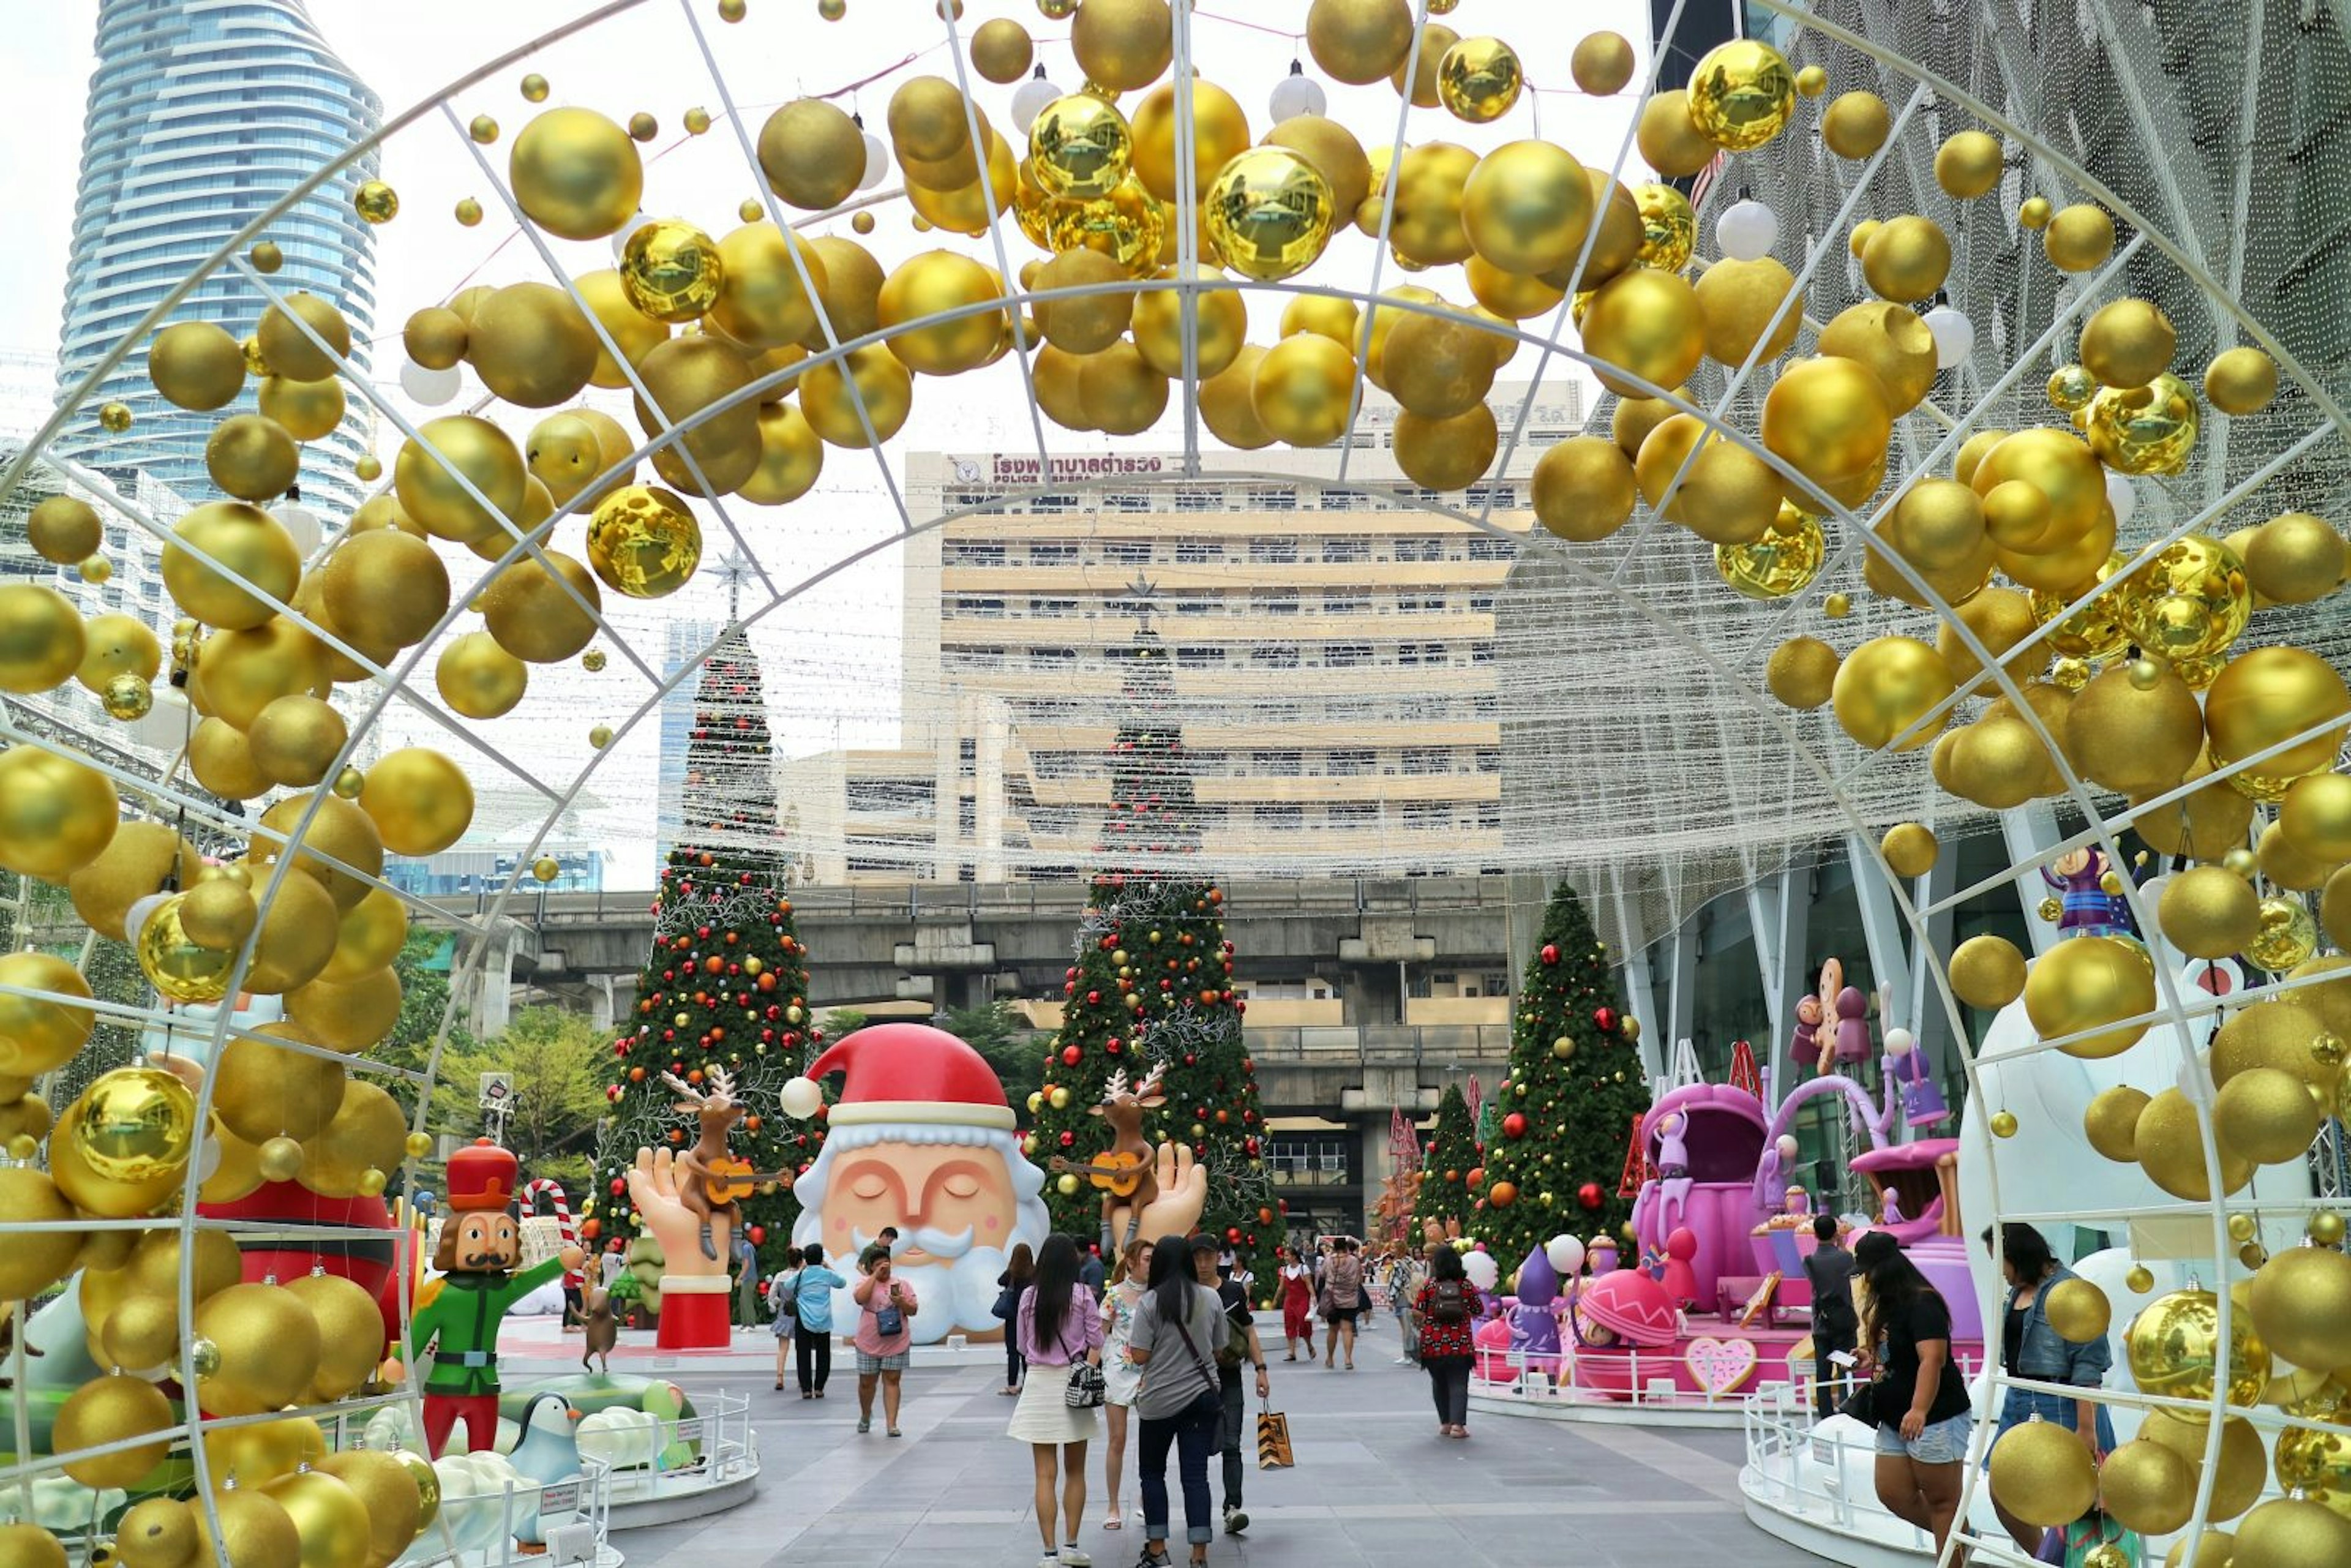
(727, 982)
(1452, 1160)
(1151, 987)
(1558, 1153)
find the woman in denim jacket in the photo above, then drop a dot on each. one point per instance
(2031, 1349)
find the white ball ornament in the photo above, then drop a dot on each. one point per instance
(1482, 1270)
(300, 522)
(431, 388)
(877, 164)
(1954, 335)
(1566, 1255)
(163, 726)
(1746, 230)
(2121, 496)
(142, 910)
(620, 240)
(1030, 99)
(1900, 1042)
(802, 1098)
(1297, 94)
(1786, 1146)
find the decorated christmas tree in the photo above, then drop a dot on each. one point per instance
(727, 982)
(1151, 987)
(1452, 1162)
(1575, 1084)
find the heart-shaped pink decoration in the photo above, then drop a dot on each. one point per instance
(1719, 1365)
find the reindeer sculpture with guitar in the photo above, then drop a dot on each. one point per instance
(1162, 1188)
(711, 1178)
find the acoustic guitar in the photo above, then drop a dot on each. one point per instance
(733, 1180)
(1116, 1173)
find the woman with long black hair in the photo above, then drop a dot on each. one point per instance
(1445, 1313)
(1918, 1397)
(2031, 1349)
(1178, 1324)
(1019, 1273)
(1055, 1326)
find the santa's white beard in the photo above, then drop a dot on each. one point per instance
(950, 1298)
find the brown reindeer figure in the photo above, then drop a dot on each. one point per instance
(710, 1180)
(602, 1323)
(1125, 1172)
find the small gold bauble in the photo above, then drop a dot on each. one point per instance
(1602, 63)
(1801, 671)
(114, 418)
(2078, 238)
(534, 88)
(349, 783)
(2003, 1124)
(1910, 849)
(2147, 430)
(1855, 125)
(1742, 94)
(467, 211)
(1967, 164)
(601, 737)
(483, 130)
(671, 270)
(1478, 79)
(2241, 381)
(1783, 562)
(376, 201)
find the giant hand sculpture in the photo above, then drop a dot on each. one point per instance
(694, 1288)
(1183, 1194)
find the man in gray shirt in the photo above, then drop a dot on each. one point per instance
(1835, 1325)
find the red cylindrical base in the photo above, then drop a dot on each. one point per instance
(694, 1322)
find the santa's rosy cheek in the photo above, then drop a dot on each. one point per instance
(840, 1224)
(990, 1223)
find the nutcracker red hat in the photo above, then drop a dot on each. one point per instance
(905, 1072)
(482, 1175)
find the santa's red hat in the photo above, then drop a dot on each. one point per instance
(904, 1072)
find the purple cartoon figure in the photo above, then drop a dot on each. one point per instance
(1853, 1041)
(1534, 1322)
(2088, 909)
(1673, 1168)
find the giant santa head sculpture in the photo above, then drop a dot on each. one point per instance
(920, 1139)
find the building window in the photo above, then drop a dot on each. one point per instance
(1481, 605)
(1048, 554)
(1059, 503)
(1426, 759)
(1346, 604)
(1126, 552)
(1421, 604)
(891, 797)
(1277, 764)
(1273, 551)
(967, 756)
(1200, 657)
(1342, 654)
(979, 658)
(1486, 546)
(1281, 817)
(1269, 498)
(1275, 602)
(971, 552)
(1198, 499)
(1275, 655)
(1346, 552)
(1192, 607)
(1053, 609)
(1490, 760)
(1051, 658)
(1410, 549)
(1482, 652)
(1352, 813)
(1490, 813)
(1197, 552)
(1428, 814)
(1126, 501)
(1349, 764)
(1409, 654)
(964, 605)
(1338, 501)
(1496, 984)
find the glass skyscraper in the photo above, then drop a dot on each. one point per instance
(203, 113)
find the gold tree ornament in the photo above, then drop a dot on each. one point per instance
(671, 270)
(1742, 94)
(1479, 79)
(1270, 213)
(643, 542)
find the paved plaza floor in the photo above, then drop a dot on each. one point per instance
(1373, 1485)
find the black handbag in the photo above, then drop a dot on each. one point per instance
(1862, 1404)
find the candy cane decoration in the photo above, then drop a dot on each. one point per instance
(563, 1224)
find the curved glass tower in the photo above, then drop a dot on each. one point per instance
(202, 114)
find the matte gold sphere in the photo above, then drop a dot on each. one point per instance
(1427, 189)
(2243, 1463)
(2170, 1148)
(135, 862)
(196, 365)
(1856, 124)
(57, 816)
(932, 283)
(369, 1132)
(2285, 1531)
(64, 529)
(884, 384)
(1891, 343)
(296, 740)
(1802, 673)
(1527, 207)
(1358, 41)
(268, 1345)
(2208, 911)
(42, 641)
(790, 458)
(1602, 63)
(217, 756)
(632, 330)
(1967, 164)
(328, 1517)
(1446, 454)
(305, 411)
(2145, 1486)
(111, 1410)
(684, 377)
(1887, 685)
(2264, 697)
(1828, 419)
(2085, 983)
(1001, 50)
(1119, 391)
(418, 798)
(251, 456)
(2265, 1114)
(1269, 212)
(812, 153)
(290, 350)
(574, 174)
(384, 1486)
(1987, 972)
(2078, 1310)
(2128, 343)
(1582, 488)
(2078, 238)
(1647, 324)
(2294, 558)
(1908, 258)
(1435, 40)
(425, 475)
(1740, 306)
(244, 672)
(762, 300)
(2316, 817)
(369, 936)
(217, 916)
(1123, 45)
(1742, 94)
(1478, 79)
(1220, 132)
(2043, 1474)
(1439, 366)
(386, 589)
(434, 337)
(1669, 136)
(1300, 390)
(1228, 404)
(2241, 381)
(2058, 464)
(532, 345)
(1910, 849)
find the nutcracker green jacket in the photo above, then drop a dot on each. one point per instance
(465, 1317)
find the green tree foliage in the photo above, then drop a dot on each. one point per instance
(1566, 1109)
(1452, 1156)
(999, 1034)
(725, 984)
(555, 1060)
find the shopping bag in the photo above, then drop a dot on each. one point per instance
(1273, 1440)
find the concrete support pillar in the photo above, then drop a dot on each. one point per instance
(600, 1007)
(1926, 1017)
(1371, 1172)
(1779, 915)
(493, 1005)
(1883, 930)
(1681, 1020)
(1636, 978)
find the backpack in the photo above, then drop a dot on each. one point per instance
(1234, 1349)
(1346, 1279)
(1451, 1304)
(784, 1295)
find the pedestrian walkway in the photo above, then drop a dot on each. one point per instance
(1373, 1485)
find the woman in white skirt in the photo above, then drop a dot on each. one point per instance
(1122, 1379)
(1057, 1325)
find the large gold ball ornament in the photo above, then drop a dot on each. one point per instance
(2000, 617)
(1526, 207)
(1080, 147)
(2266, 1116)
(2175, 1349)
(2301, 1305)
(290, 351)
(1828, 419)
(1784, 561)
(1220, 132)
(328, 1517)
(2286, 1033)
(1670, 141)
(269, 1348)
(1446, 454)
(1129, 226)
(2288, 934)
(1856, 124)
(251, 1455)
(135, 862)
(42, 643)
(1742, 94)
(2170, 1148)
(386, 1489)
(1269, 212)
(34, 1260)
(562, 453)
(350, 1014)
(1439, 366)
(419, 800)
(1124, 44)
(64, 529)
(434, 337)
(385, 588)
(1359, 41)
(196, 365)
(1802, 673)
(251, 456)
(223, 537)
(1891, 343)
(2128, 343)
(339, 835)
(1668, 227)
(2209, 911)
(576, 174)
(1427, 189)
(1967, 164)
(2131, 739)
(2078, 1310)
(1120, 392)
(296, 740)
(2244, 1463)
(2288, 1533)
(643, 542)
(1334, 151)
(532, 616)
(671, 270)
(2086, 983)
(790, 458)
(426, 478)
(351, 1325)
(2316, 817)
(110, 1410)
(156, 1533)
(1582, 488)
(1001, 50)
(217, 916)
(1300, 390)
(532, 344)
(1885, 687)
(2241, 381)
(1908, 258)
(2148, 430)
(2078, 238)
(1744, 304)
(30, 1546)
(1910, 849)
(256, 1532)
(262, 1089)
(57, 816)
(2145, 1486)
(812, 153)
(2294, 558)
(1478, 79)
(1227, 401)
(1645, 324)
(2043, 1474)
(369, 936)
(135, 1124)
(2070, 388)
(1602, 63)
(179, 967)
(632, 330)
(2266, 696)
(305, 411)
(934, 283)
(883, 384)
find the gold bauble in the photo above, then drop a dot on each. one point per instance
(1828, 419)
(1670, 141)
(532, 345)
(1119, 391)
(55, 816)
(369, 936)
(2128, 343)
(135, 1124)
(2294, 558)
(2264, 697)
(178, 965)
(42, 643)
(2078, 238)
(386, 589)
(218, 915)
(574, 174)
(2301, 1303)
(2209, 911)
(2170, 1148)
(1220, 328)
(262, 1452)
(812, 153)
(633, 331)
(2043, 1474)
(2317, 1465)
(2147, 430)
(64, 529)
(1088, 323)
(34, 1260)
(268, 1345)
(883, 384)
(1220, 132)
(2003, 1124)
(349, 1015)
(2290, 1533)
(1582, 488)
(425, 475)
(1129, 227)
(1893, 342)
(2097, 630)
(671, 270)
(1937, 527)
(351, 1325)
(263, 1089)
(2288, 935)
(928, 125)
(1967, 164)
(328, 1517)
(2133, 739)
(2087, 982)
(1910, 849)
(2000, 617)
(934, 283)
(2283, 1034)
(1300, 390)
(252, 458)
(1996, 762)
(384, 1486)
(1731, 499)
(1001, 50)
(1436, 40)
(1080, 147)
(1644, 324)
(1269, 212)
(530, 614)
(2174, 1350)
(278, 1158)
(1227, 401)
(2241, 381)
(2077, 1311)
(243, 672)
(339, 835)
(1801, 671)
(1739, 301)
(2145, 1486)
(296, 740)
(196, 365)
(2266, 1116)
(1742, 94)
(2070, 388)
(1124, 44)
(135, 862)
(1446, 454)
(791, 457)
(1334, 151)
(2243, 1465)
(1513, 296)
(419, 800)
(1856, 124)
(287, 349)
(643, 542)
(1668, 227)
(256, 1532)
(156, 1533)
(1526, 207)
(1886, 686)
(1602, 63)
(563, 453)
(763, 300)
(2285, 866)
(1478, 79)
(1358, 41)
(1908, 258)
(305, 411)
(109, 1410)
(30, 1546)
(1439, 366)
